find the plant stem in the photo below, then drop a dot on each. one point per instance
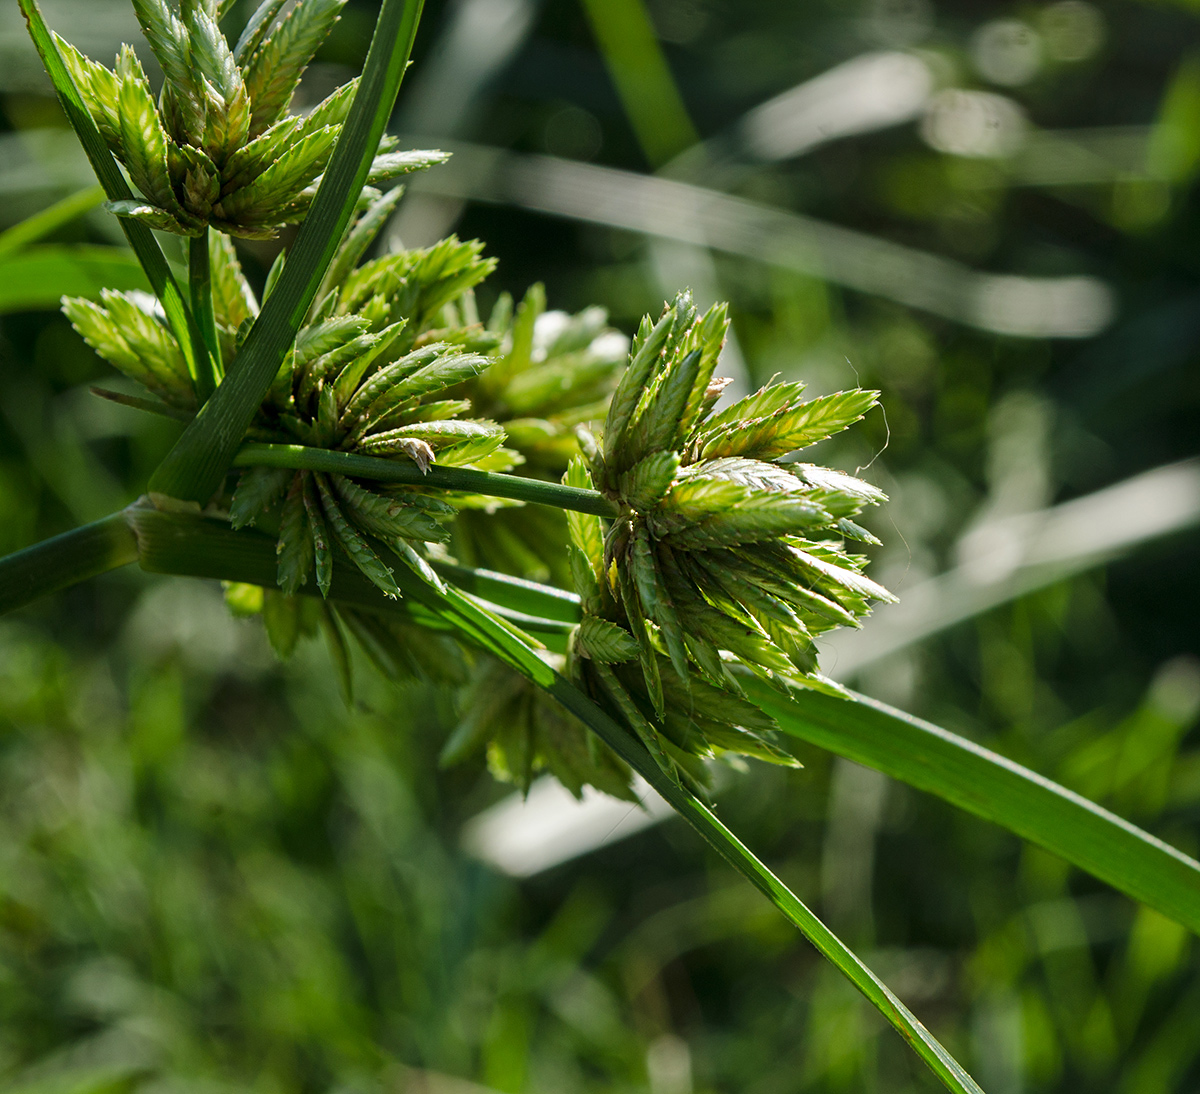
(58, 563)
(196, 466)
(469, 481)
(515, 593)
(208, 370)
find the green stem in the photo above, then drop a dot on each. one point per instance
(208, 364)
(196, 466)
(465, 479)
(58, 563)
(514, 593)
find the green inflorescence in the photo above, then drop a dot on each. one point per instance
(218, 146)
(723, 558)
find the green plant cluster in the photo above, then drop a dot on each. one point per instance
(363, 453)
(219, 147)
(722, 556)
(553, 372)
(394, 362)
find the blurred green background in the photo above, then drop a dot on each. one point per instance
(215, 877)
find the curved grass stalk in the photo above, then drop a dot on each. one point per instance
(516, 593)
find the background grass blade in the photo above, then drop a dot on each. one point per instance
(141, 239)
(39, 277)
(194, 468)
(175, 543)
(58, 563)
(990, 786)
(50, 219)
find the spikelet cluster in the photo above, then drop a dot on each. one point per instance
(552, 372)
(524, 732)
(723, 555)
(369, 373)
(218, 147)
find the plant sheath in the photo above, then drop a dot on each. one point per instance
(63, 561)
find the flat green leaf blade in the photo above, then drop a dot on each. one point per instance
(196, 465)
(997, 789)
(38, 277)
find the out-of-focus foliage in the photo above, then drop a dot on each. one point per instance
(213, 876)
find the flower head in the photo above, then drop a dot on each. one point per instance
(218, 146)
(722, 555)
(553, 371)
(369, 373)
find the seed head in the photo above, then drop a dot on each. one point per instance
(218, 146)
(722, 556)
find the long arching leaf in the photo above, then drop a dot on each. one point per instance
(963, 773)
(997, 789)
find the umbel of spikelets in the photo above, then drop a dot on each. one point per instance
(724, 557)
(218, 147)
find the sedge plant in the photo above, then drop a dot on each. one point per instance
(623, 575)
